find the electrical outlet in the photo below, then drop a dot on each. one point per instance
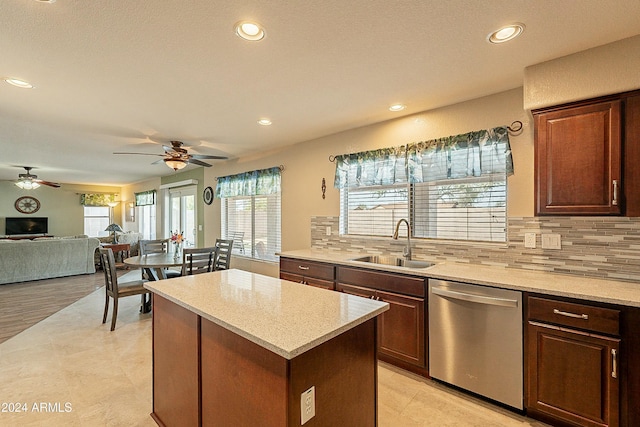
(551, 241)
(328, 230)
(530, 240)
(307, 405)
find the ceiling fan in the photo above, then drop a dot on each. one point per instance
(28, 181)
(177, 157)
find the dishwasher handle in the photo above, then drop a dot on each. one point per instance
(480, 299)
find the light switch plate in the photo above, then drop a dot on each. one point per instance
(328, 230)
(551, 241)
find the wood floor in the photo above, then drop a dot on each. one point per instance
(22, 305)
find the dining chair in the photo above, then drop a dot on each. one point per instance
(224, 254)
(238, 240)
(157, 246)
(115, 290)
(198, 260)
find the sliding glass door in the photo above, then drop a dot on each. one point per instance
(182, 214)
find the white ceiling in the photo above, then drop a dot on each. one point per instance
(117, 75)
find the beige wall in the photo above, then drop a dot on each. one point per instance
(612, 68)
(308, 162)
(61, 205)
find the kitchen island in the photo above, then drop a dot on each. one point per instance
(242, 349)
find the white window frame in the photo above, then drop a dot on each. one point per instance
(106, 215)
(253, 246)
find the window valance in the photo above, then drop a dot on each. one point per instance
(145, 198)
(475, 153)
(377, 167)
(252, 183)
(97, 199)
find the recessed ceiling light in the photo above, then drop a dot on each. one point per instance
(18, 83)
(46, 1)
(507, 33)
(397, 107)
(249, 30)
(264, 122)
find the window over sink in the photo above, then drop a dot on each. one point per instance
(450, 188)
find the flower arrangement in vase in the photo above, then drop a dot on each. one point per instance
(176, 239)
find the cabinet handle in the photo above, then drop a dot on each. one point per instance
(614, 363)
(576, 316)
(615, 192)
(302, 267)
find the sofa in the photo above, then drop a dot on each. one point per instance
(46, 258)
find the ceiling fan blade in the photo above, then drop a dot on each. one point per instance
(174, 149)
(157, 162)
(50, 184)
(143, 154)
(198, 162)
(205, 156)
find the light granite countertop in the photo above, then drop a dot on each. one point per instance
(284, 317)
(600, 290)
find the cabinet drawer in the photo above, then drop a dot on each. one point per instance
(581, 316)
(383, 281)
(308, 268)
(318, 283)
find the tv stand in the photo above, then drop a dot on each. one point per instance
(25, 237)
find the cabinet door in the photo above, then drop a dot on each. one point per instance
(573, 376)
(577, 161)
(402, 328)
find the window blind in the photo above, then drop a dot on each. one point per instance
(449, 188)
(250, 212)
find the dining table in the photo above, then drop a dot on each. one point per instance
(154, 267)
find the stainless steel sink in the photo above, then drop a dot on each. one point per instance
(391, 260)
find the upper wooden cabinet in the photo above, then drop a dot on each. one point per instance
(578, 160)
(587, 157)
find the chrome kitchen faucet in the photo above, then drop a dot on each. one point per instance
(406, 252)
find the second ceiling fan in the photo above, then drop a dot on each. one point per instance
(177, 157)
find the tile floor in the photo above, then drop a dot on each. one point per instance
(104, 378)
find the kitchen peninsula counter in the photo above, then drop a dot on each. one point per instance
(236, 348)
(565, 285)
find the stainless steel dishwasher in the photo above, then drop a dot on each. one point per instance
(475, 339)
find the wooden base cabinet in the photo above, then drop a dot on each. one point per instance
(572, 374)
(402, 338)
(576, 377)
(206, 375)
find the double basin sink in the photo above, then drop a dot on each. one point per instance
(393, 261)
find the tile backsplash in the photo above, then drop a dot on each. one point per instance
(602, 247)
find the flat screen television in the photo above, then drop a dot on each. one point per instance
(24, 225)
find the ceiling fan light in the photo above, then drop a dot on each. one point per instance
(18, 82)
(27, 185)
(175, 164)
